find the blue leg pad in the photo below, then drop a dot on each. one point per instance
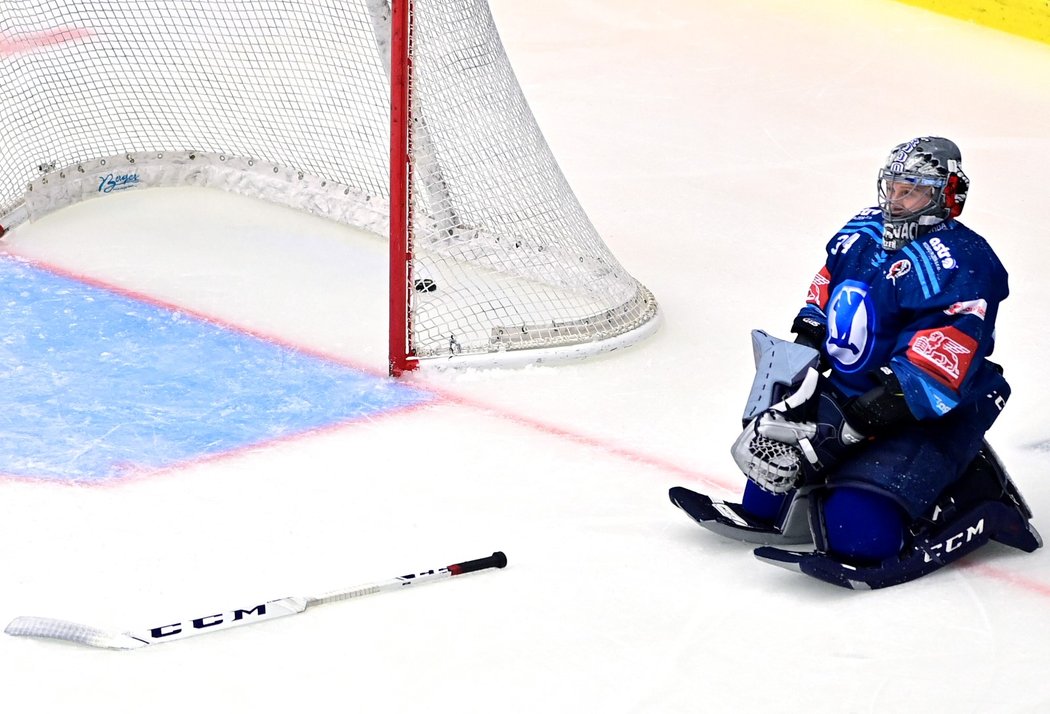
(763, 504)
(862, 526)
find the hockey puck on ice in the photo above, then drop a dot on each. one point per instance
(426, 285)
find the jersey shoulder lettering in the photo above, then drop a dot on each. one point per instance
(953, 264)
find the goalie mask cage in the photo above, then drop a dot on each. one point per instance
(407, 122)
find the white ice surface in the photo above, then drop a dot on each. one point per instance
(716, 146)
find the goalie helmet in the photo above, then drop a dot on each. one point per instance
(921, 185)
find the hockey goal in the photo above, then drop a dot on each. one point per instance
(406, 121)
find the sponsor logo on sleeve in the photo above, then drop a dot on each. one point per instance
(818, 289)
(939, 404)
(944, 353)
(977, 308)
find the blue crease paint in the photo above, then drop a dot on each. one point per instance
(95, 384)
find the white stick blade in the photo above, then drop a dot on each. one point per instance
(50, 628)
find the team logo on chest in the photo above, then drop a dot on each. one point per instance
(898, 269)
(851, 324)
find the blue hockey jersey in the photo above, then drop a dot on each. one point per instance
(927, 310)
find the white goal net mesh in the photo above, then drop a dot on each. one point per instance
(288, 100)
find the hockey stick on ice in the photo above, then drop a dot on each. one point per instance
(50, 628)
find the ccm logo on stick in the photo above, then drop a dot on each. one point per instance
(202, 623)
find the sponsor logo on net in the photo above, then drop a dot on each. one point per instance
(117, 182)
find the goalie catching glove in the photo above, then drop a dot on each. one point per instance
(810, 430)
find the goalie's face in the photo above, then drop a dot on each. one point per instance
(905, 196)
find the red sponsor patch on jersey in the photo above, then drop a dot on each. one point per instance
(944, 353)
(978, 307)
(818, 289)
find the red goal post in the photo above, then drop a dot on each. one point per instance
(404, 121)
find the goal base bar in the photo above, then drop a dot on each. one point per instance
(510, 359)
